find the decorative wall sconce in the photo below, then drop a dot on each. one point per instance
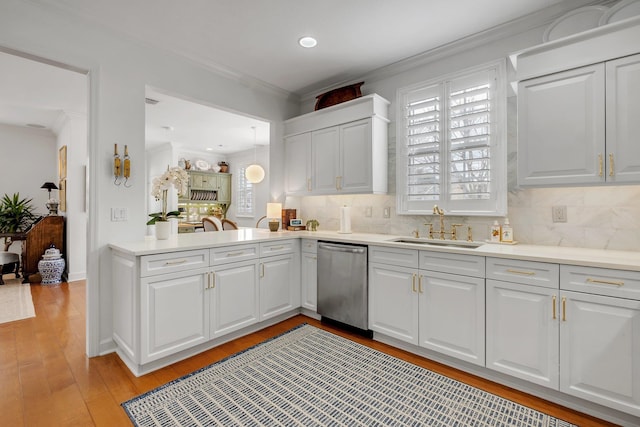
(121, 166)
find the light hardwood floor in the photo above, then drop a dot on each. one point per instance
(46, 379)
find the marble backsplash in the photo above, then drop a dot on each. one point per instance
(606, 217)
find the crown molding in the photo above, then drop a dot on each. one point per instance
(520, 25)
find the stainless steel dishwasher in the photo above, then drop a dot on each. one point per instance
(343, 284)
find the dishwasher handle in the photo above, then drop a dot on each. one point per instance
(341, 248)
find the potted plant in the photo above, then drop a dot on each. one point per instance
(16, 215)
(174, 177)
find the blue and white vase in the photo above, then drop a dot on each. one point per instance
(51, 267)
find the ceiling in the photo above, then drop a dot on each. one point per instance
(256, 40)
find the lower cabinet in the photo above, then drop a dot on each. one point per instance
(599, 344)
(233, 296)
(174, 313)
(522, 336)
(278, 286)
(309, 275)
(440, 311)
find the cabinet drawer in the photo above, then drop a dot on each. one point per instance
(310, 246)
(278, 248)
(233, 253)
(526, 272)
(467, 265)
(151, 265)
(394, 256)
(600, 281)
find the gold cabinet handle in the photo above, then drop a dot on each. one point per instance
(413, 283)
(261, 269)
(600, 165)
(611, 164)
(213, 279)
(606, 282)
(308, 184)
(553, 300)
(182, 261)
(235, 253)
(526, 273)
(564, 309)
(338, 187)
(420, 284)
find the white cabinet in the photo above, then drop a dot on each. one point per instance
(393, 301)
(522, 320)
(522, 334)
(561, 128)
(309, 275)
(233, 296)
(439, 309)
(338, 150)
(297, 152)
(279, 280)
(600, 336)
(579, 126)
(623, 126)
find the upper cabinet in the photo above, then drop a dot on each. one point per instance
(577, 111)
(338, 150)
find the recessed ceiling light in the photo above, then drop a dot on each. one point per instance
(209, 149)
(308, 42)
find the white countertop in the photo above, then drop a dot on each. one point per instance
(624, 260)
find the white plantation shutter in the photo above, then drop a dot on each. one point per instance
(450, 144)
(245, 195)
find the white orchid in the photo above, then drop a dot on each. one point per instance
(174, 177)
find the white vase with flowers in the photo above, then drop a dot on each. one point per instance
(177, 178)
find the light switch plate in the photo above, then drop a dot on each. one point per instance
(386, 213)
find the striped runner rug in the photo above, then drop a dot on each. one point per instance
(311, 377)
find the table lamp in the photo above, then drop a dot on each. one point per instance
(274, 212)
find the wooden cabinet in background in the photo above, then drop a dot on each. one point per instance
(44, 233)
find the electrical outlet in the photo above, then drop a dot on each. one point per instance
(119, 214)
(368, 211)
(386, 213)
(559, 213)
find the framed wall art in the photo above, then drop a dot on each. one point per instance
(62, 162)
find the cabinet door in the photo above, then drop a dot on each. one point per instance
(325, 155)
(561, 128)
(355, 157)
(451, 317)
(209, 182)
(309, 275)
(278, 285)
(196, 181)
(393, 301)
(223, 187)
(599, 344)
(297, 152)
(234, 297)
(175, 313)
(523, 332)
(623, 126)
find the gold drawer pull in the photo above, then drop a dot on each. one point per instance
(277, 248)
(526, 273)
(564, 309)
(235, 253)
(182, 261)
(606, 282)
(553, 300)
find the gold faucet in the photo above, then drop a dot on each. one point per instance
(439, 211)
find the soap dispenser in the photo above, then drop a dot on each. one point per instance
(507, 232)
(496, 232)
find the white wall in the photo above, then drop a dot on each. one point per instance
(73, 134)
(119, 71)
(598, 217)
(28, 159)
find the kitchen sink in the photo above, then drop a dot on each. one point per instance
(439, 242)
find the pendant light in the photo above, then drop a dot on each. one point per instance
(254, 173)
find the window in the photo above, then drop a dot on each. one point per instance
(245, 197)
(451, 144)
